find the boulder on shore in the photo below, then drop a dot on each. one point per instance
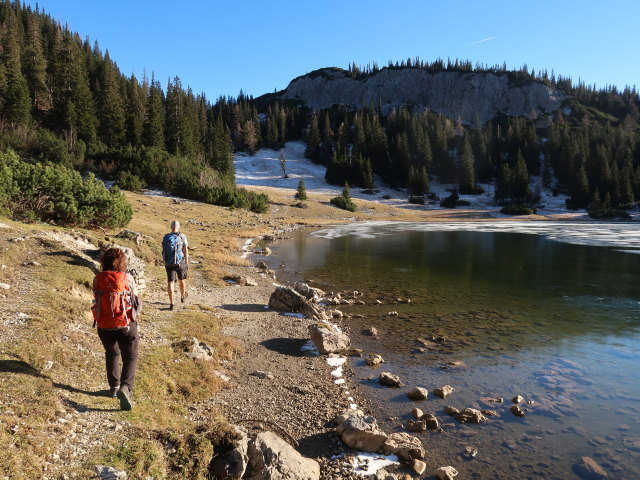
(446, 473)
(310, 293)
(361, 433)
(444, 391)
(271, 458)
(418, 393)
(286, 299)
(373, 360)
(404, 446)
(328, 338)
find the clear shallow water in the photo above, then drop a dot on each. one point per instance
(550, 311)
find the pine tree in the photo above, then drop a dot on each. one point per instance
(110, 106)
(35, 66)
(301, 194)
(466, 173)
(580, 190)
(313, 138)
(153, 130)
(16, 102)
(520, 191)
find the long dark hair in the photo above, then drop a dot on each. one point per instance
(113, 260)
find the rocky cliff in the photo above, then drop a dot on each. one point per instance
(468, 96)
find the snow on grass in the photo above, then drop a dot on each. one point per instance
(263, 169)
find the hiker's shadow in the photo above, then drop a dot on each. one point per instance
(19, 366)
(83, 408)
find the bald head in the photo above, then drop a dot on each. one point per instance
(175, 226)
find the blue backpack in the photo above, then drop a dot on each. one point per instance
(172, 249)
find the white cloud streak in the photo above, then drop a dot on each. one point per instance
(481, 41)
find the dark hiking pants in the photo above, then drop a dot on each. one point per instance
(121, 342)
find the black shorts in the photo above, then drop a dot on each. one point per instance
(179, 270)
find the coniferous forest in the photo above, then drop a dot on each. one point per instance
(65, 104)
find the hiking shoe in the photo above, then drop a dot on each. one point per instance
(124, 395)
(182, 299)
(171, 306)
(113, 392)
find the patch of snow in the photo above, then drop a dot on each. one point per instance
(310, 348)
(337, 372)
(339, 381)
(366, 464)
(336, 361)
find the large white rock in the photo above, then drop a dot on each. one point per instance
(328, 339)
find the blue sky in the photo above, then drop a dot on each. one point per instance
(219, 47)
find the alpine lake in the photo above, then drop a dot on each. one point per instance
(548, 311)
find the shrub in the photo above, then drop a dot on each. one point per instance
(301, 194)
(55, 193)
(344, 201)
(518, 210)
(129, 181)
(416, 199)
(453, 201)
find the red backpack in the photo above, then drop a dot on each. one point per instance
(113, 300)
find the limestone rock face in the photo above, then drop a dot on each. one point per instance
(469, 96)
(286, 299)
(271, 458)
(328, 339)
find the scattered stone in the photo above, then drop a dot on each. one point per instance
(404, 446)
(354, 352)
(286, 299)
(328, 338)
(517, 411)
(48, 365)
(418, 393)
(389, 380)
(336, 314)
(361, 433)
(222, 376)
(268, 238)
(195, 349)
(517, 399)
(359, 302)
(261, 265)
(270, 457)
(31, 263)
(451, 411)
(418, 466)
(446, 473)
(379, 302)
(5, 286)
(4, 225)
(392, 314)
(373, 360)
(371, 331)
(263, 251)
(417, 426)
(443, 392)
(431, 421)
(137, 237)
(470, 415)
(417, 413)
(589, 469)
(263, 375)
(109, 473)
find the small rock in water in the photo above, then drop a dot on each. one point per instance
(470, 451)
(374, 360)
(431, 421)
(517, 399)
(490, 413)
(418, 466)
(446, 473)
(417, 426)
(371, 331)
(389, 380)
(417, 413)
(588, 469)
(418, 393)
(444, 391)
(449, 410)
(517, 411)
(470, 415)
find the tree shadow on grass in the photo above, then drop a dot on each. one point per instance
(75, 260)
(286, 346)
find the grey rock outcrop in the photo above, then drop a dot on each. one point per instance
(195, 349)
(468, 96)
(271, 458)
(328, 339)
(286, 299)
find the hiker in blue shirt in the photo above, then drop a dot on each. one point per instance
(175, 252)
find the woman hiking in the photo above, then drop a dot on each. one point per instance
(114, 313)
